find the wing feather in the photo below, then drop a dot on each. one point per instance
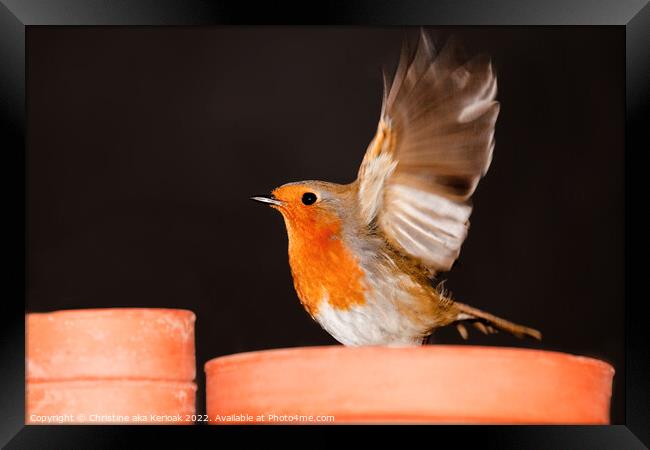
(434, 142)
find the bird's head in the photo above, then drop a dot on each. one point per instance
(313, 209)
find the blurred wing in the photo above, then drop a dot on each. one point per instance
(433, 144)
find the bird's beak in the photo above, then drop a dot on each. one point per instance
(270, 199)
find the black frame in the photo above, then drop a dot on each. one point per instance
(17, 15)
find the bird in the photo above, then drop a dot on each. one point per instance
(365, 256)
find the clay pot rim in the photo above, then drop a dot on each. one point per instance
(226, 361)
(111, 382)
(109, 310)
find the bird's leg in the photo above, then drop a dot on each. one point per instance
(462, 330)
(428, 340)
(489, 324)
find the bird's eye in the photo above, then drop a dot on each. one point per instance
(309, 198)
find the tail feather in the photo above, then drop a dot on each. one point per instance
(488, 323)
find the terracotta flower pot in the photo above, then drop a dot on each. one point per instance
(116, 365)
(432, 384)
(111, 343)
(124, 402)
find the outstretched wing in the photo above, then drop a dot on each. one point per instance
(433, 144)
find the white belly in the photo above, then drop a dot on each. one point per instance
(379, 321)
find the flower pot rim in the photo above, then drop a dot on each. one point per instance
(126, 309)
(110, 382)
(225, 361)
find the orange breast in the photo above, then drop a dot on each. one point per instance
(324, 268)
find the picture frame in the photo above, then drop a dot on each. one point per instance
(16, 16)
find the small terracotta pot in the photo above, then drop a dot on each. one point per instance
(111, 402)
(116, 365)
(431, 384)
(111, 343)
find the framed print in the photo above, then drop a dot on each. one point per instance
(440, 231)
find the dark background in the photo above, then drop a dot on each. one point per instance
(144, 145)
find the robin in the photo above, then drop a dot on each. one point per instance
(364, 255)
